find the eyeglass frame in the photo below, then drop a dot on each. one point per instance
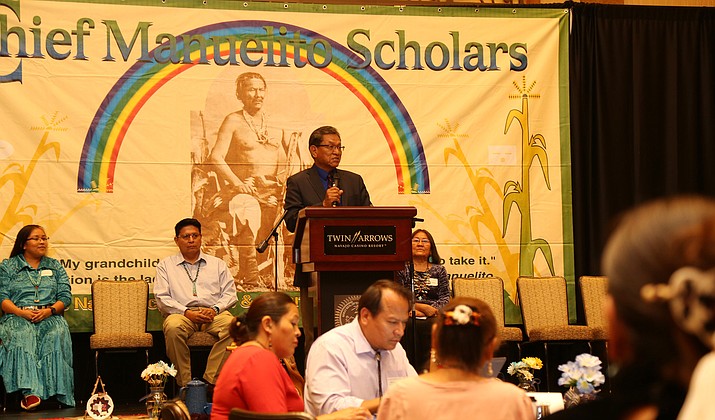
(188, 236)
(332, 148)
(38, 239)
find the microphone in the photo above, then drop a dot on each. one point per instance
(274, 232)
(336, 183)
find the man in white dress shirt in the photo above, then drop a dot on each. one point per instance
(352, 365)
(194, 291)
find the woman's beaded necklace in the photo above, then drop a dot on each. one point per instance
(35, 282)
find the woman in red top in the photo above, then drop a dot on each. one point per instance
(253, 377)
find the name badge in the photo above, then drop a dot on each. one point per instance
(433, 281)
(46, 273)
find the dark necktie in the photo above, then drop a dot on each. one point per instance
(379, 374)
(330, 180)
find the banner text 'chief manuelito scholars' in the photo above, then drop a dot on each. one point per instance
(279, 47)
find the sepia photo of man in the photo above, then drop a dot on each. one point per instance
(240, 183)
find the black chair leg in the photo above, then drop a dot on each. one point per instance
(146, 384)
(546, 366)
(96, 363)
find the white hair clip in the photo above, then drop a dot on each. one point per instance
(461, 315)
(690, 293)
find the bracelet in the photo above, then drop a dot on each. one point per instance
(53, 310)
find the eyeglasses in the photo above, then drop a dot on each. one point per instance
(39, 238)
(333, 148)
(418, 240)
(190, 236)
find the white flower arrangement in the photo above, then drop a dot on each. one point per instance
(524, 369)
(584, 374)
(157, 373)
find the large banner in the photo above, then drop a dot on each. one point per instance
(121, 118)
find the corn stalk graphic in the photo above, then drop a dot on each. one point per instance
(519, 193)
(19, 176)
(479, 215)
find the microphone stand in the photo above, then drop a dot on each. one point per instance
(411, 273)
(263, 245)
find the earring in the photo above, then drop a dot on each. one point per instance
(490, 369)
(270, 342)
(433, 356)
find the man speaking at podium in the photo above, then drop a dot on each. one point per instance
(320, 185)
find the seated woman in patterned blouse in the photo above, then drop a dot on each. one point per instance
(36, 349)
(431, 290)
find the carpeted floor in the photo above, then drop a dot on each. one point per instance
(129, 411)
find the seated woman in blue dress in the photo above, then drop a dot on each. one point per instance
(431, 290)
(36, 350)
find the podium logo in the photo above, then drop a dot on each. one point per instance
(347, 240)
(358, 237)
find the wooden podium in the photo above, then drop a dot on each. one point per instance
(350, 248)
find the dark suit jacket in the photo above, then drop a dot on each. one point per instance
(305, 189)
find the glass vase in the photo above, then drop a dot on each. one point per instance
(572, 397)
(528, 386)
(155, 401)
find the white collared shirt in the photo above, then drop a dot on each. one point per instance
(341, 370)
(173, 288)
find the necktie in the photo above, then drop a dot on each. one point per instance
(379, 374)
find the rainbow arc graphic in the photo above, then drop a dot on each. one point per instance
(134, 88)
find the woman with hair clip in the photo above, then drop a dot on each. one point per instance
(431, 291)
(692, 301)
(464, 339)
(658, 251)
(253, 377)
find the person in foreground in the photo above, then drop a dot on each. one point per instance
(654, 248)
(464, 340)
(352, 365)
(431, 290)
(253, 378)
(193, 292)
(36, 350)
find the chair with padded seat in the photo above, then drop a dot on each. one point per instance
(594, 290)
(201, 339)
(240, 414)
(491, 291)
(120, 316)
(544, 310)
(593, 293)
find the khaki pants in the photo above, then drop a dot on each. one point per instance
(178, 329)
